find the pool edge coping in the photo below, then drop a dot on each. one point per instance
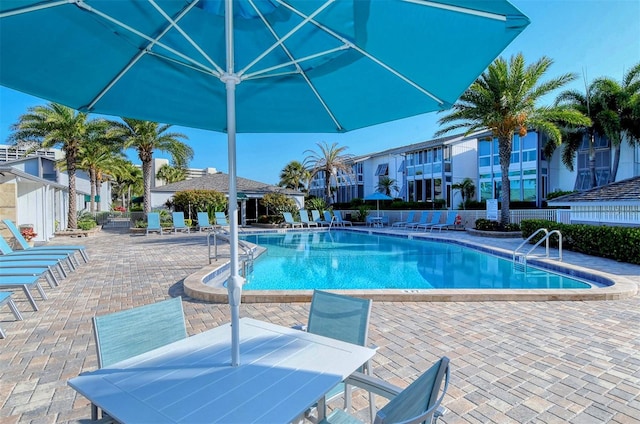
(621, 287)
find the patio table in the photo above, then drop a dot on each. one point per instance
(283, 372)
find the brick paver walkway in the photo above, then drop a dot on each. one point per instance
(512, 362)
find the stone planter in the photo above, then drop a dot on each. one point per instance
(495, 234)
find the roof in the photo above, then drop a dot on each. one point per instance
(624, 191)
(18, 173)
(220, 182)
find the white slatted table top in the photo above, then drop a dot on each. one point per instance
(282, 372)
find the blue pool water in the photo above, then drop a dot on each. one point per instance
(347, 260)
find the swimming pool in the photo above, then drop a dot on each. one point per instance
(344, 260)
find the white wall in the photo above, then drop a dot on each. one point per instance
(464, 164)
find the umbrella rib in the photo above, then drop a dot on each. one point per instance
(152, 42)
(174, 23)
(286, 36)
(34, 8)
(367, 55)
(459, 9)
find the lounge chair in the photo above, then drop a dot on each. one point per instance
(5, 299)
(25, 246)
(435, 220)
(289, 221)
(203, 222)
(328, 218)
(178, 222)
(153, 223)
(451, 222)
(424, 219)
(420, 402)
(25, 271)
(122, 335)
(29, 255)
(315, 216)
(342, 318)
(221, 219)
(340, 221)
(410, 218)
(12, 262)
(24, 282)
(304, 218)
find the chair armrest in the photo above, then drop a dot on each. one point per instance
(373, 385)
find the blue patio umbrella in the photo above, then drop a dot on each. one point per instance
(378, 196)
(252, 66)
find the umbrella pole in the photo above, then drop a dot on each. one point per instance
(234, 284)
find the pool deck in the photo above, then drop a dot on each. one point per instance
(512, 362)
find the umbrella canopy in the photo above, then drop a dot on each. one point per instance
(252, 65)
(378, 196)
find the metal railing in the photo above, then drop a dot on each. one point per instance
(246, 257)
(520, 258)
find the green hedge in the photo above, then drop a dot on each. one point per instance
(618, 243)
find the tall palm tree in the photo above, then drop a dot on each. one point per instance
(128, 181)
(331, 160)
(171, 174)
(386, 184)
(584, 103)
(294, 176)
(145, 137)
(503, 100)
(55, 125)
(620, 111)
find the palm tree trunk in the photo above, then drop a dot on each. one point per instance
(146, 177)
(616, 163)
(92, 183)
(504, 150)
(592, 161)
(72, 218)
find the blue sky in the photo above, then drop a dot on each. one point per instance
(589, 37)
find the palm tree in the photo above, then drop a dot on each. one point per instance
(503, 100)
(128, 181)
(620, 111)
(329, 159)
(584, 103)
(55, 125)
(386, 184)
(171, 174)
(294, 176)
(145, 137)
(467, 190)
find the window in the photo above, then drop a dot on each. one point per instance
(383, 169)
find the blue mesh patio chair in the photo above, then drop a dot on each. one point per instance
(420, 402)
(221, 219)
(450, 222)
(125, 334)
(8, 254)
(304, 218)
(52, 249)
(342, 318)
(435, 220)
(5, 299)
(289, 221)
(340, 221)
(153, 223)
(178, 222)
(409, 220)
(203, 222)
(24, 282)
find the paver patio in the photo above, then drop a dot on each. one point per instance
(512, 362)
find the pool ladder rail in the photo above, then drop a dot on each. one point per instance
(520, 258)
(246, 257)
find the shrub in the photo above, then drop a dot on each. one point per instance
(489, 225)
(618, 243)
(199, 201)
(558, 193)
(278, 203)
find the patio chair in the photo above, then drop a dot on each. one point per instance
(221, 219)
(153, 223)
(424, 219)
(24, 282)
(30, 255)
(25, 246)
(178, 222)
(304, 218)
(122, 335)
(203, 222)
(20, 270)
(315, 216)
(420, 402)
(342, 318)
(13, 262)
(450, 222)
(435, 220)
(5, 299)
(410, 218)
(289, 221)
(340, 220)
(328, 218)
